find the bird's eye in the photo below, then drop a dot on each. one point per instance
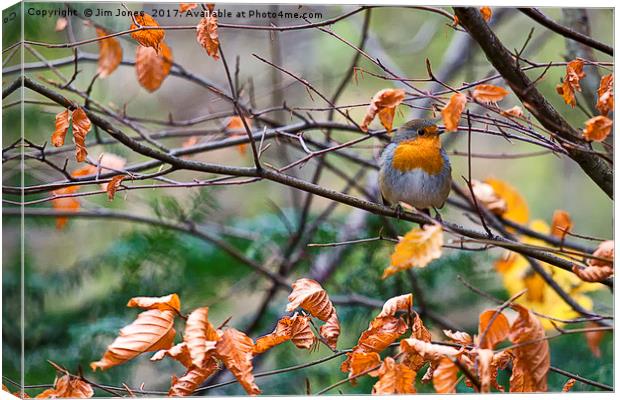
(421, 132)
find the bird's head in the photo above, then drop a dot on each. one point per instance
(423, 130)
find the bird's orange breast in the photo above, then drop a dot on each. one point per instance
(424, 153)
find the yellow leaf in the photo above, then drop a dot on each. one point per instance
(416, 249)
(516, 207)
(384, 103)
(148, 37)
(394, 378)
(62, 126)
(110, 54)
(235, 350)
(489, 93)
(451, 113)
(496, 332)
(207, 36)
(486, 196)
(152, 68)
(597, 128)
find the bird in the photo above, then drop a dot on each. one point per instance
(414, 168)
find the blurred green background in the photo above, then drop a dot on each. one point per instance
(78, 280)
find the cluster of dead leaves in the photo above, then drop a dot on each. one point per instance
(384, 104)
(417, 248)
(80, 125)
(204, 348)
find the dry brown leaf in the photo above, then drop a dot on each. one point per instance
(235, 350)
(379, 335)
(561, 223)
(309, 295)
(394, 378)
(200, 336)
(361, 362)
(486, 195)
(485, 369)
(414, 360)
(110, 54)
(178, 352)
(153, 330)
(183, 7)
(531, 360)
(574, 73)
(496, 332)
(398, 303)
(445, 376)
(295, 328)
(148, 37)
(516, 207)
(459, 337)
(236, 124)
(489, 93)
(68, 386)
(169, 302)
(605, 100)
(81, 125)
(61, 24)
(451, 113)
(153, 68)
(515, 111)
(113, 185)
(61, 128)
(70, 204)
(569, 385)
(597, 128)
(417, 248)
(84, 171)
(593, 338)
(565, 90)
(301, 334)
(384, 103)
(429, 351)
(331, 330)
(193, 378)
(207, 36)
(486, 13)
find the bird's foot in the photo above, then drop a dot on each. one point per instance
(437, 215)
(399, 211)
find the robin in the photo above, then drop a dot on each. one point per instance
(415, 169)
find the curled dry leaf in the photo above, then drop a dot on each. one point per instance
(398, 303)
(451, 113)
(362, 363)
(394, 378)
(569, 385)
(445, 376)
(485, 369)
(235, 350)
(515, 111)
(489, 93)
(458, 337)
(492, 333)
(384, 103)
(296, 328)
(486, 195)
(61, 128)
(429, 351)
(380, 334)
(574, 73)
(531, 360)
(169, 302)
(61, 24)
(597, 128)
(331, 330)
(148, 37)
(113, 186)
(309, 295)
(81, 125)
(605, 100)
(414, 360)
(561, 223)
(193, 378)
(516, 207)
(183, 7)
(486, 13)
(178, 352)
(153, 330)
(68, 386)
(200, 336)
(110, 54)
(207, 36)
(66, 204)
(152, 68)
(417, 248)
(593, 339)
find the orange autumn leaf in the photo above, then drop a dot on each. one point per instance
(451, 113)
(296, 328)
(414, 360)
(193, 378)
(65, 204)
(570, 83)
(81, 125)
(398, 303)
(84, 171)
(445, 376)
(153, 330)
(200, 336)
(235, 123)
(565, 90)
(68, 386)
(61, 24)
(485, 369)
(605, 100)
(362, 362)
(597, 128)
(486, 196)
(153, 68)
(110, 54)
(187, 6)
(531, 360)
(561, 223)
(384, 103)
(113, 186)
(331, 330)
(515, 111)
(428, 350)
(593, 339)
(61, 128)
(516, 207)
(486, 13)
(394, 378)
(178, 352)
(416, 249)
(148, 37)
(235, 350)
(207, 36)
(489, 93)
(569, 385)
(459, 337)
(494, 332)
(169, 302)
(309, 295)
